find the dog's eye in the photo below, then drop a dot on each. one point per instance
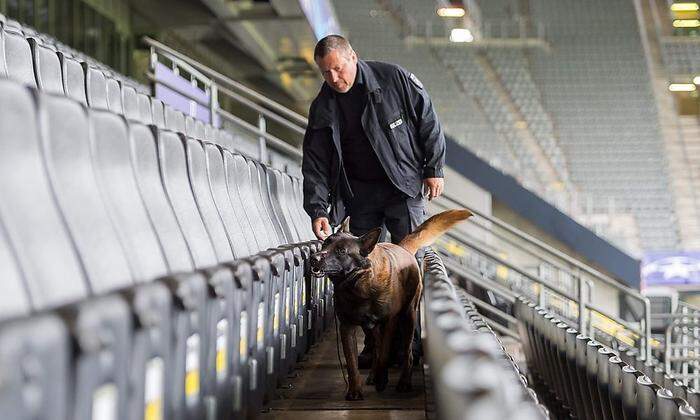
(341, 251)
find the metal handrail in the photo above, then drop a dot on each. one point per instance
(221, 79)
(218, 84)
(646, 319)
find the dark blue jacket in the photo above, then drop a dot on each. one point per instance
(401, 125)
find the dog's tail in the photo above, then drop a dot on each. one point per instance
(431, 229)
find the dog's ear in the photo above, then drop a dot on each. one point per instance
(368, 241)
(345, 226)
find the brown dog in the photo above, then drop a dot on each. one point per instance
(378, 286)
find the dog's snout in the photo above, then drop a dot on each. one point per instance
(317, 262)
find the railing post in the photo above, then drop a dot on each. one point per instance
(214, 104)
(262, 143)
(581, 305)
(647, 329)
(541, 295)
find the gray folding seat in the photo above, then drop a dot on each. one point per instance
(174, 120)
(158, 110)
(95, 87)
(73, 78)
(250, 236)
(130, 103)
(231, 219)
(629, 391)
(52, 271)
(646, 398)
(239, 179)
(17, 62)
(13, 24)
(196, 167)
(226, 140)
(199, 130)
(114, 96)
(603, 380)
(111, 153)
(190, 127)
(144, 108)
(47, 67)
(144, 156)
(615, 365)
(181, 171)
(39, 346)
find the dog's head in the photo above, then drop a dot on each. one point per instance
(342, 254)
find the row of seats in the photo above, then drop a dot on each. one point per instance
(148, 274)
(472, 375)
(36, 60)
(583, 378)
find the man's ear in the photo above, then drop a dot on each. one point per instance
(368, 241)
(345, 226)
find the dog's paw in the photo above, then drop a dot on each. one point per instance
(380, 381)
(404, 386)
(354, 395)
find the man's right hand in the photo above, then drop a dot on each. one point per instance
(321, 228)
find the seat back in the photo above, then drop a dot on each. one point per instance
(232, 219)
(47, 67)
(66, 150)
(144, 155)
(73, 78)
(112, 161)
(34, 226)
(95, 87)
(114, 96)
(197, 171)
(173, 169)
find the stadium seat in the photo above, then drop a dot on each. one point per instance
(17, 63)
(47, 67)
(95, 87)
(197, 172)
(158, 110)
(130, 104)
(144, 108)
(35, 357)
(73, 78)
(144, 156)
(114, 96)
(234, 224)
(174, 120)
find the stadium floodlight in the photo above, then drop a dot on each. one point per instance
(685, 7)
(686, 23)
(681, 87)
(696, 80)
(461, 35)
(451, 11)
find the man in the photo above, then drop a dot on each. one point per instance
(373, 143)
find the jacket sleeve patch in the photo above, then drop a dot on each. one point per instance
(415, 81)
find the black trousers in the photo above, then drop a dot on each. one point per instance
(382, 205)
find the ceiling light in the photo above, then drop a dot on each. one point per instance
(461, 35)
(684, 7)
(686, 23)
(681, 87)
(451, 11)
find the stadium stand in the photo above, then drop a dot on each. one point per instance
(154, 269)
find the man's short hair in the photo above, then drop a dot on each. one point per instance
(330, 43)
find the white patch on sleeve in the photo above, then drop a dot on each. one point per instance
(396, 123)
(415, 81)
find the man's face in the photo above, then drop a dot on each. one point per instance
(339, 69)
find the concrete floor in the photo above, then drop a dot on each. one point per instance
(316, 390)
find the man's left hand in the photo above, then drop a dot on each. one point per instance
(434, 187)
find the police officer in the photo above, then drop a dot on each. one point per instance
(373, 143)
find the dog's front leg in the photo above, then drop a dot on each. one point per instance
(381, 365)
(347, 336)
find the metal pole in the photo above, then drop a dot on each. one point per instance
(581, 305)
(262, 125)
(214, 104)
(647, 329)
